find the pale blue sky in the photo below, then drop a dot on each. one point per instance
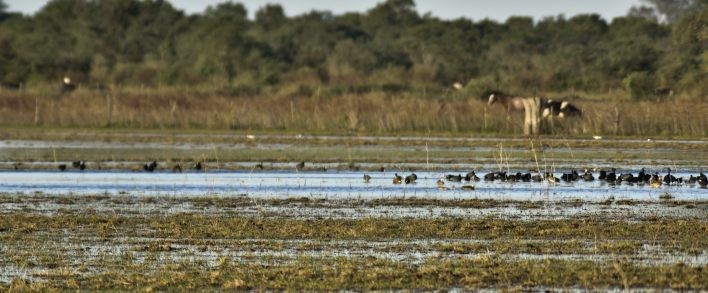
(448, 9)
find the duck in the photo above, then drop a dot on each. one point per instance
(654, 181)
(467, 187)
(397, 179)
(177, 168)
(367, 178)
(198, 166)
(411, 178)
(440, 182)
(76, 164)
(588, 176)
(526, 177)
(552, 178)
(62, 167)
(82, 166)
(259, 166)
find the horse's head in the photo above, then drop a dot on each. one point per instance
(492, 99)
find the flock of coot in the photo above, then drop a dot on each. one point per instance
(610, 176)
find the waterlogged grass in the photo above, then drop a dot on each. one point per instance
(193, 226)
(347, 273)
(76, 247)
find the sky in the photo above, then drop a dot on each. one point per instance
(498, 10)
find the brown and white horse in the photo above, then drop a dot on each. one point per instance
(511, 103)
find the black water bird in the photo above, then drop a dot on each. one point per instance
(702, 180)
(603, 175)
(567, 177)
(411, 178)
(82, 166)
(177, 168)
(300, 166)
(259, 166)
(62, 167)
(526, 177)
(198, 166)
(611, 177)
(76, 164)
(150, 167)
(471, 176)
(454, 178)
(628, 177)
(668, 178)
(489, 177)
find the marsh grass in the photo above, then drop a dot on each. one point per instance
(370, 113)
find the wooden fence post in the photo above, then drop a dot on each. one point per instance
(532, 115)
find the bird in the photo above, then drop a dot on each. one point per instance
(611, 177)
(702, 180)
(300, 166)
(62, 167)
(467, 187)
(397, 179)
(82, 166)
(150, 167)
(454, 178)
(177, 168)
(603, 175)
(76, 164)
(411, 178)
(259, 166)
(588, 176)
(552, 178)
(489, 177)
(367, 178)
(471, 176)
(441, 182)
(536, 178)
(198, 166)
(654, 181)
(668, 178)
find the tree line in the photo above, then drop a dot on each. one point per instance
(390, 47)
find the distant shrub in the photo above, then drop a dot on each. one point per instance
(639, 85)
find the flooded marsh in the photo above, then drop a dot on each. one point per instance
(235, 225)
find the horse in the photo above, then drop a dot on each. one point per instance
(511, 103)
(561, 109)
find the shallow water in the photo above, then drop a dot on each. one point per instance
(331, 184)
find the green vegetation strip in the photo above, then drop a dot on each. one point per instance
(365, 273)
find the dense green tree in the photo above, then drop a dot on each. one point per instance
(389, 47)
